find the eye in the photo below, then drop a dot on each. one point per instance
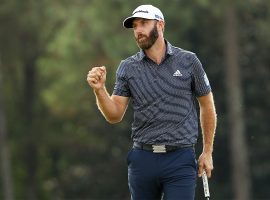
(144, 22)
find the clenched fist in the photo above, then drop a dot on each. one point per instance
(96, 77)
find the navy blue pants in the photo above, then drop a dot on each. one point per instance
(171, 176)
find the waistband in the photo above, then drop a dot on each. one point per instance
(160, 148)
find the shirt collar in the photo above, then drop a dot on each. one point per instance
(169, 51)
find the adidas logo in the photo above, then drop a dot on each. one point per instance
(177, 73)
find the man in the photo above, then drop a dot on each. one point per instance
(162, 82)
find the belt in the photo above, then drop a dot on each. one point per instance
(160, 148)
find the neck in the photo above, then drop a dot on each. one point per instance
(157, 51)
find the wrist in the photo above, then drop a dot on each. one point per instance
(208, 149)
(99, 90)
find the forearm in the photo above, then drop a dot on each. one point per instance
(106, 105)
(208, 126)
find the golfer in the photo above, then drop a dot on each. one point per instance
(162, 83)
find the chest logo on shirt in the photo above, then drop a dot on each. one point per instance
(177, 73)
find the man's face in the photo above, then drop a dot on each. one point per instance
(145, 32)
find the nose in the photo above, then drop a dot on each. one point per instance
(138, 30)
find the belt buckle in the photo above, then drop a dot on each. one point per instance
(159, 148)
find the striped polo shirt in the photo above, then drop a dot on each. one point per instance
(163, 96)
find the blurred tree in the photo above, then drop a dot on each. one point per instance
(20, 44)
(6, 174)
(239, 152)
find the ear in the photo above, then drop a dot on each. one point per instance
(161, 25)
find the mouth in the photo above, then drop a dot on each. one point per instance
(140, 38)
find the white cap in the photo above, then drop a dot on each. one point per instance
(146, 12)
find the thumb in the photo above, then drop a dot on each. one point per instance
(200, 171)
(200, 167)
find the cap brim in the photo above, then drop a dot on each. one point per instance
(127, 23)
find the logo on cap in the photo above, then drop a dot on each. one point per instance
(142, 11)
(158, 17)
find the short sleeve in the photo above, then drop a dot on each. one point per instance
(121, 87)
(200, 82)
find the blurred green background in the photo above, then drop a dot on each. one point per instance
(55, 144)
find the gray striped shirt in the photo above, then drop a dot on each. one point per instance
(163, 96)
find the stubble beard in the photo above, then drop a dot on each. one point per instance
(148, 41)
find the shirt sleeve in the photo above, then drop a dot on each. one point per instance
(200, 82)
(121, 87)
